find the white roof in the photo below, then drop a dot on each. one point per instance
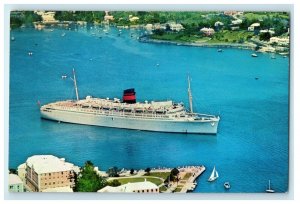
(48, 164)
(129, 187)
(59, 189)
(139, 186)
(14, 179)
(22, 166)
(255, 25)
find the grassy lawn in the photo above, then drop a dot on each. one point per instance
(163, 175)
(231, 36)
(187, 176)
(176, 37)
(225, 36)
(162, 188)
(177, 189)
(139, 179)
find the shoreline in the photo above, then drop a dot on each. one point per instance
(200, 44)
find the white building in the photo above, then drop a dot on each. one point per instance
(253, 26)
(280, 41)
(137, 187)
(175, 26)
(272, 32)
(207, 31)
(22, 171)
(218, 23)
(15, 184)
(108, 17)
(237, 22)
(48, 171)
(133, 18)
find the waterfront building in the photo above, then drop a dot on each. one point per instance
(137, 187)
(108, 17)
(280, 41)
(149, 26)
(48, 171)
(22, 171)
(207, 31)
(15, 183)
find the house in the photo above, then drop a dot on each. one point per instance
(47, 17)
(133, 18)
(207, 31)
(108, 17)
(280, 41)
(15, 184)
(48, 171)
(175, 26)
(272, 32)
(236, 22)
(253, 26)
(137, 187)
(149, 26)
(219, 24)
(230, 13)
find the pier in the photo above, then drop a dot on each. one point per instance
(187, 177)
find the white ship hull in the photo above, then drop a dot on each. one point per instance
(147, 124)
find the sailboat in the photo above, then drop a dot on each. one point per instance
(270, 190)
(214, 175)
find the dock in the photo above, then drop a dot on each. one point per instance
(187, 179)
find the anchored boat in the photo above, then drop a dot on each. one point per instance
(270, 190)
(161, 116)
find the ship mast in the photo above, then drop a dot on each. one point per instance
(190, 95)
(75, 84)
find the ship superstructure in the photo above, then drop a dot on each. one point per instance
(161, 116)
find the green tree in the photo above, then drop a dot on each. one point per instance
(147, 170)
(113, 172)
(265, 36)
(13, 171)
(114, 183)
(131, 171)
(88, 180)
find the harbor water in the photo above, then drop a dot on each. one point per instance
(251, 95)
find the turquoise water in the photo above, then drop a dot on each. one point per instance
(250, 148)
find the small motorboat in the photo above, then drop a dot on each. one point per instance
(220, 50)
(63, 34)
(30, 53)
(227, 185)
(256, 78)
(12, 38)
(63, 76)
(254, 55)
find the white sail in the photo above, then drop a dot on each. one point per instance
(214, 175)
(270, 190)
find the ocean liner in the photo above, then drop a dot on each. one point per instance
(160, 116)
